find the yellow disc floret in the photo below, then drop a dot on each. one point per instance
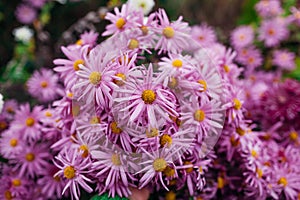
(77, 63)
(159, 164)
(30, 121)
(120, 23)
(114, 128)
(168, 32)
(30, 157)
(115, 159)
(237, 104)
(199, 115)
(69, 172)
(13, 142)
(148, 96)
(165, 139)
(177, 63)
(95, 78)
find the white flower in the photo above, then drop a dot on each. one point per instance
(146, 5)
(23, 34)
(1, 103)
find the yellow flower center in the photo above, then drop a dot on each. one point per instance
(16, 182)
(237, 104)
(152, 133)
(148, 96)
(234, 142)
(165, 139)
(170, 196)
(173, 83)
(240, 131)
(259, 172)
(48, 114)
(133, 44)
(120, 23)
(199, 115)
(44, 84)
(69, 172)
(271, 32)
(114, 128)
(115, 159)
(85, 151)
(169, 171)
(283, 181)
(95, 78)
(254, 153)
(159, 164)
(120, 82)
(294, 136)
(242, 37)
(168, 32)
(189, 169)
(145, 30)
(70, 94)
(77, 63)
(79, 42)
(56, 178)
(177, 63)
(30, 157)
(226, 68)
(204, 85)
(30, 121)
(221, 182)
(8, 195)
(13, 142)
(95, 120)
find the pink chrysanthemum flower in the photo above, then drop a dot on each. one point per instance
(122, 20)
(88, 38)
(10, 144)
(27, 122)
(250, 57)
(44, 86)
(67, 67)
(295, 15)
(95, 78)
(33, 159)
(242, 36)
(284, 59)
(147, 99)
(73, 168)
(273, 31)
(25, 14)
(174, 35)
(111, 164)
(268, 8)
(203, 35)
(36, 3)
(9, 108)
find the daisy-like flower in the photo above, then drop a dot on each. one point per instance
(10, 144)
(175, 35)
(122, 20)
(44, 86)
(284, 59)
(33, 159)
(154, 164)
(268, 8)
(95, 78)
(147, 99)
(144, 5)
(113, 165)
(250, 57)
(242, 36)
(9, 108)
(273, 31)
(67, 67)
(28, 122)
(88, 38)
(73, 168)
(25, 14)
(203, 35)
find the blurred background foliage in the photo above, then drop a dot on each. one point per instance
(60, 24)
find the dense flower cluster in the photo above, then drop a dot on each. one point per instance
(163, 106)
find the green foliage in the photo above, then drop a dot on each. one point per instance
(295, 74)
(105, 197)
(248, 15)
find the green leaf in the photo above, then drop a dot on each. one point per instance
(105, 197)
(295, 74)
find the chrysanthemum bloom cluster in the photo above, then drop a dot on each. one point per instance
(145, 108)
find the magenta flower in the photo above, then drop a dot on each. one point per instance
(273, 31)
(284, 59)
(203, 35)
(242, 36)
(174, 35)
(11, 144)
(147, 99)
(44, 86)
(33, 159)
(295, 15)
(121, 21)
(268, 8)
(25, 14)
(27, 122)
(251, 57)
(73, 168)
